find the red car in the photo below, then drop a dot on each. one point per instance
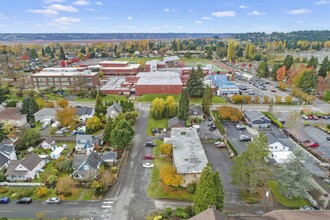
(313, 145)
(148, 157)
(273, 90)
(310, 117)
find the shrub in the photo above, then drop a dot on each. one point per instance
(191, 187)
(3, 190)
(167, 213)
(41, 192)
(19, 94)
(273, 119)
(52, 179)
(114, 169)
(232, 148)
(65, 166)
(2, 177)
(328, 126)
(11, 103)
(181, 213)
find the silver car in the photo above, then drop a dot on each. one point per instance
(53, 200)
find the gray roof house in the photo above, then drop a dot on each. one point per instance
(45, 114)
(7, 153)
(110, 157)
(257, 120)
(84, 112)
(25, 169)
(176, 123)
(48, 143)
(86, 166)
(85, 144)
(195, 111)
(189, 157)
(114, 110)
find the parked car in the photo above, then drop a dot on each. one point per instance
(306, 208)
(310, 117)
(4, 200)
(43, 126)
(328, 138)
(148, 165)
(25, 200)
(313, 145)
(240, 127)
(220, 144)
(74, 132)
(315, 117)
(148, 157)
(305, 117)
(209, 118)
(150, 144)
(245, 138)
(53, 200)
(213, 128)
(273, 90)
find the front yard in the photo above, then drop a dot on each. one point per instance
(159, 190)
(156, 123)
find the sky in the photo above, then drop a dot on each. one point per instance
(163, 16)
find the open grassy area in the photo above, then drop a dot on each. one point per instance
(89, 194)
(105, 98)
(137, 59)
(195, 60)
(13, 192)
(291, 203)
(156, 123)
(151, 97)
(156, 188)
(26, 92)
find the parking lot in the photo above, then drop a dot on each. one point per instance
(233, 136)
(205, 133)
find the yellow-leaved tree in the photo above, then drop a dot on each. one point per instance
(166, 149)
(169, 176)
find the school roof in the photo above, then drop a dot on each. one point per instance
(65, 73)
(159, 78)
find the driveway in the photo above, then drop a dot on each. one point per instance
(206, 134)
(233, 136)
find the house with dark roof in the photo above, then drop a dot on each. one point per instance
(45, 115)
(113, 110)
(176, 123)
(110, 157)
(48, 143)
(85, 144)
(13, 116)
(256, 119)
(7, 153)
(196, 111)
(84, 112)
(25, 169)
(86, 166)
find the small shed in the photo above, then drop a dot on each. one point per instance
(110, 157)
(56, 153)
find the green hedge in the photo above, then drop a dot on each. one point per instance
(274, 119)
(217, 122)
(232, 148)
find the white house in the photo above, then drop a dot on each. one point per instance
(45, 115)
(113, 110)
(282, 156)
(48, 143)
(85, 144)
(25, 169)
(84, 113)
(56, 153)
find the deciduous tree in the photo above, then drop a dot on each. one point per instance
(41, 191)
(3, 132)
(207, 100)
(67, 117)
(256, 99)
(170, 108)
(288, 99)
(41, 103)
(65, 185)
(93, 124)
(157, 108)
(169, 176)
(230, 113)
(29, 137)
(266, 99)
(63, 103)
(237, 98)
(280, 74)
(166, 149)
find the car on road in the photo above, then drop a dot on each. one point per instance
(240, 127)
(313, 145)
(148, 165)
(4, 200)
(273, 90)
(244, 138)
(220, 144)
(25, 200)
(150, 144)
(305, 117)
(53, 200)
(148, 157)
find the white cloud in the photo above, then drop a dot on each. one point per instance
(167, 10)
(180, 27)
(256, 13)
(53, 1)
(64, 21)
(58, 7)
(39, 25)
(206, 18)
(299, 11)
(224, 14)
(81, 2)
(2, 16)
(99, 3)
(46, 12)
(101, 18)
(130, 18)
(197, 22)
(191, 11)
(300, 22)
(243, 7)
(127, 26)
(174, 10)
(322, 2)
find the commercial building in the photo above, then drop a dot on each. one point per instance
(189, 157)
(158, 83)
(223, 85)
(116, 68)
(117, 85)
(257, 120)
(65, 79)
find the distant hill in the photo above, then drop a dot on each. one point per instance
(32, 37)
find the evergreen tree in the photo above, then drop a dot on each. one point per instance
(99, 107)
(62, 54)
(313, 62)
(263, 70)
(174, 46)
(3, 133)
(308, 81)
(206, 103)
(325, 67)
(288, 61)
(195, 84)
(275, 67)
(183, 111)
(209, 191)
(48, 50)
(43, 52)
(122, 135)
(83, 50)
(107, 129)
(29, 107)
(3, 95)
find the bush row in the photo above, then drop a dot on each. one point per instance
(232, 148)
(217, 122)
(273, 119)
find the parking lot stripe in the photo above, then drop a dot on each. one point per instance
(106, 206)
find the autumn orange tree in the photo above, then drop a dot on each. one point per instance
(67, 117)
(41, 191)
(93, 124)
(266, 99)
(280, 74)
(166, 149)
(230, 113)
(41, 103)
(256, 99)
(50, 105)
(237, 98)
(288, 99)
(247, 99)
(63, 103)
(169, 176)
(65, 185)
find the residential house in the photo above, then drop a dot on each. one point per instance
(189, 157)
(257, 120)
(56, 153)
(110, 157)
(48, 143)
(7, 153)
(45, 115)
(176, 123)
(25, 169)
(277, 150)
(113, 110)
(210, 214)
(196, 111)
(84, 113)
(13, 116)
(86, 166)
(85, 144)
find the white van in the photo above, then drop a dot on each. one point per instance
(56, 124)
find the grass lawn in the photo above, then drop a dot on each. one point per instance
(89, 194)
(156, 123)
(12, 192)
(135, 60)
(151, 97)
(291, 203)
(157, 189)
(195, 60)
(105, 98)
(26, 92)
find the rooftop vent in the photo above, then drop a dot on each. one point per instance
(183, 133)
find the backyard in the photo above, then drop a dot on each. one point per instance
(156, 123)
(196, 101)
